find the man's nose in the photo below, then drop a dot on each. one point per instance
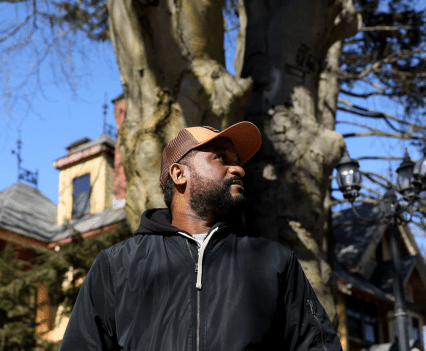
(237, 170)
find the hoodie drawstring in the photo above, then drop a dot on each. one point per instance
(201, 250)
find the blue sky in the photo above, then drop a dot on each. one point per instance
(55, 122)
(49, 114)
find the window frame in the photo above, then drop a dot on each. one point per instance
(75, 213)
(354, 340)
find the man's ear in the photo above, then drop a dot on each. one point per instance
(177, 173)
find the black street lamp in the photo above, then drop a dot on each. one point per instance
(411, 181)
(348, 177)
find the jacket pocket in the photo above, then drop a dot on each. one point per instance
(311, 305)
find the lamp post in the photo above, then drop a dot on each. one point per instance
(411, 180)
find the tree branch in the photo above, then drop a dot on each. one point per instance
(234, 27)
(406, 136)
(376, 193)
(393, 158)
(360, 125)
(387, 28)
(371, 175)
(364, 96)
(17, 28)
(391, 58)
(372, 113)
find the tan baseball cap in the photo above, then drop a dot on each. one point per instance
(244, 135)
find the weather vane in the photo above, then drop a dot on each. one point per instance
(108, 128)
(24, 174)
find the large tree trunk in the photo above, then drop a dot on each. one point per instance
(171, 61)
(291, 49)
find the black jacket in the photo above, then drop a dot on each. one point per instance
(141, 295)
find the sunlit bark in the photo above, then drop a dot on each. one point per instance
(171, 60)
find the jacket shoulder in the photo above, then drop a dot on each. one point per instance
(126, 244)
(269, 244)
(267, 249)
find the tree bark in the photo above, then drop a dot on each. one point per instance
(291, 49)
(171, 60)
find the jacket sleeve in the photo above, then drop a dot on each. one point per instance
(307, 324)
(92, 323)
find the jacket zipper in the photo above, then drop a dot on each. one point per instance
(198, 271)
(198, 318)
(311, 305)
(198, 301)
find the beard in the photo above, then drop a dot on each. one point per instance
(209, 203)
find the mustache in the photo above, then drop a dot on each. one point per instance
(227, 182)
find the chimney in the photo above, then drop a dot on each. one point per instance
(76, 144)
(120, 182)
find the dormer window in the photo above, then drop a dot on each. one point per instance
(81, 195)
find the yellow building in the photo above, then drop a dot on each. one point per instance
(86, 179)
(86, 202)
(86, 205)
(92, 189)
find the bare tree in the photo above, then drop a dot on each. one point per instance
(40, 42)
(386, 60)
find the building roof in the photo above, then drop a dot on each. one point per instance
(91, 222)
(77, 143)
(383, 274)
(353, 238)
(27, 211)
(103, 139)
(354, 241)
(360, 282)
(80, 150)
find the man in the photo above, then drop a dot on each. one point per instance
(190, 279)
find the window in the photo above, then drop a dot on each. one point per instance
(81, 196)
(415, 329)
(362, 322)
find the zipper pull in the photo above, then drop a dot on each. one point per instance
(196, 268)
(311, 305)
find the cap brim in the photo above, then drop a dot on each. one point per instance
(246, 138)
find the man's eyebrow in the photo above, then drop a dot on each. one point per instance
(225, 149)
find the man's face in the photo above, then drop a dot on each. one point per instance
(216, 180)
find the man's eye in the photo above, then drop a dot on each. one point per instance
(220, 156)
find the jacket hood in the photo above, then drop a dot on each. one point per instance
(157, 221)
